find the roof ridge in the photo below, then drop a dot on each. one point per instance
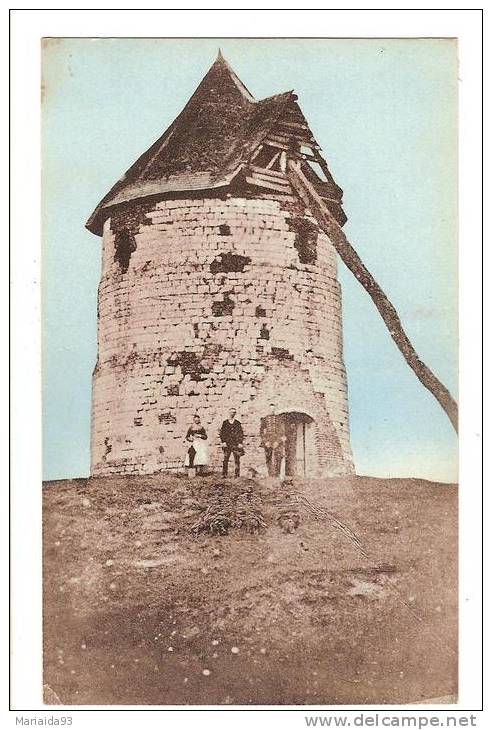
(276, 97)
(235, 78)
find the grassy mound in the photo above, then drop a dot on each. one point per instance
(163, 590)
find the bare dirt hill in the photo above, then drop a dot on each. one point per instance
(355, 604)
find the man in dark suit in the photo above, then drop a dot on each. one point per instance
(231, 436)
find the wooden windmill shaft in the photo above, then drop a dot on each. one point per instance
(387, 311)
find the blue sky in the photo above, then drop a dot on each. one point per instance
(385, 114)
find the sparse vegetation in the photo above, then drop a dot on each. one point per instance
(139, 609)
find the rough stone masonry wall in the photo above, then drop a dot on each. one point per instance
(204, 304)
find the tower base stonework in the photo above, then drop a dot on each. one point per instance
(209, 303)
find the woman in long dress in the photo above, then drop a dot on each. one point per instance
(197, 453)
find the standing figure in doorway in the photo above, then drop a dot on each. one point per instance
(273, 438)
(197, 453)
(231, 437)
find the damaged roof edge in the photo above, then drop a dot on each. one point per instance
(96, 221)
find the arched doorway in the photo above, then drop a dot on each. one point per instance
(298, 433)
(297, 457)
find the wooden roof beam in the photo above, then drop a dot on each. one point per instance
(286, 189)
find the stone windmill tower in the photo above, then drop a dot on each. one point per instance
(219, 289)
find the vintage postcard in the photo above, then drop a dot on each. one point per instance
(250, 286)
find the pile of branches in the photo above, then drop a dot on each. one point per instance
(231, 511)
(322, 514)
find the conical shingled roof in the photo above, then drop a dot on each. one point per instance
(206, 145)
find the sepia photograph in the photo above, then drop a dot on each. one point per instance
(250, 371)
